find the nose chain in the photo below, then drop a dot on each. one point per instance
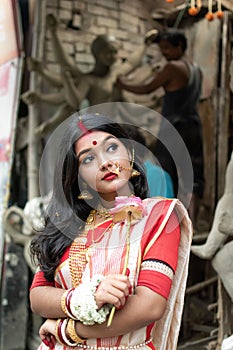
(118, 168)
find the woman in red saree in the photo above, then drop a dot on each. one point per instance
(112, 263)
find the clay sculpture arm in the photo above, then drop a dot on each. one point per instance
(223, 220)
(36, 66)
(62, 57)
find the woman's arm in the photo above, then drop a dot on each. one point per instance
(141, 309)
(46, 300)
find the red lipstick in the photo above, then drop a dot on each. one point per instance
(109, 176)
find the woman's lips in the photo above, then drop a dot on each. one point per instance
(109, 176)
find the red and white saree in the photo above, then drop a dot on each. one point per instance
(158, 259)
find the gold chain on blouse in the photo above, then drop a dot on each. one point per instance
(78, 255)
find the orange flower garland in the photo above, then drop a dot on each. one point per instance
(193, 10)
(210, 16)
(219, 13)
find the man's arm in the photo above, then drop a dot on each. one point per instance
(160, 79)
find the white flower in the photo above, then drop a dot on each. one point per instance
(83, 305)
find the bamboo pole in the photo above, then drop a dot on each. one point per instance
(35, 83)
(201, 285)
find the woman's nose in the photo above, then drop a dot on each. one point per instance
(107, 164)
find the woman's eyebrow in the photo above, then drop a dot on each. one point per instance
(86, 150)
(83, 152)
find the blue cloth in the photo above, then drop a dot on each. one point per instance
(159, 181)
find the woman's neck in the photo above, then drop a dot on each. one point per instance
(108, 200)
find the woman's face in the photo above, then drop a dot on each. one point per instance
(104, 164)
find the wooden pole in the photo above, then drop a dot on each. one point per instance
(34, 143)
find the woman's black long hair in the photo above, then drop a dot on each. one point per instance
(66, 214)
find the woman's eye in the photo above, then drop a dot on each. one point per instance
(112, 147)
(87, 159)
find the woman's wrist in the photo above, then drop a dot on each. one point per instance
(86, 310)
(65, 332)
(82, 330)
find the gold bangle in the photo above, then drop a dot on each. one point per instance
(72, 332)
(63, 301)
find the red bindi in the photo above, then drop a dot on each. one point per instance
(94, 143)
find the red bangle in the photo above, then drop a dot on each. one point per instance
(58, 331)
(68, 298)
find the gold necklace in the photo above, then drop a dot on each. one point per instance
(79, 254)
(102, 234)
(78, 259)
(103, 212)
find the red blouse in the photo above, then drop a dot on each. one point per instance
(160, 261)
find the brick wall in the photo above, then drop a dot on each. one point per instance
(126, 21)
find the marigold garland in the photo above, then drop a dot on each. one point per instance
(219, 13)
(193, 11)
(210, 16)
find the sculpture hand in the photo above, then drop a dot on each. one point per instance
(51, 21)
(41, 129)
(120, 84)
(150, 36)
(34, 64)
(30, 97)
(66, 74)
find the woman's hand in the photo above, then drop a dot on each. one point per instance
(114, 289)
(47, 333)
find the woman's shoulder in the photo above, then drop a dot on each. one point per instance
(159, 205)
(158, 200)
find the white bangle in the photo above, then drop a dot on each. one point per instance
(63, 333)
(83, 305)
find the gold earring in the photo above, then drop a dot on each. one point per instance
(85, 194)
(134, 172)
(132, 160)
